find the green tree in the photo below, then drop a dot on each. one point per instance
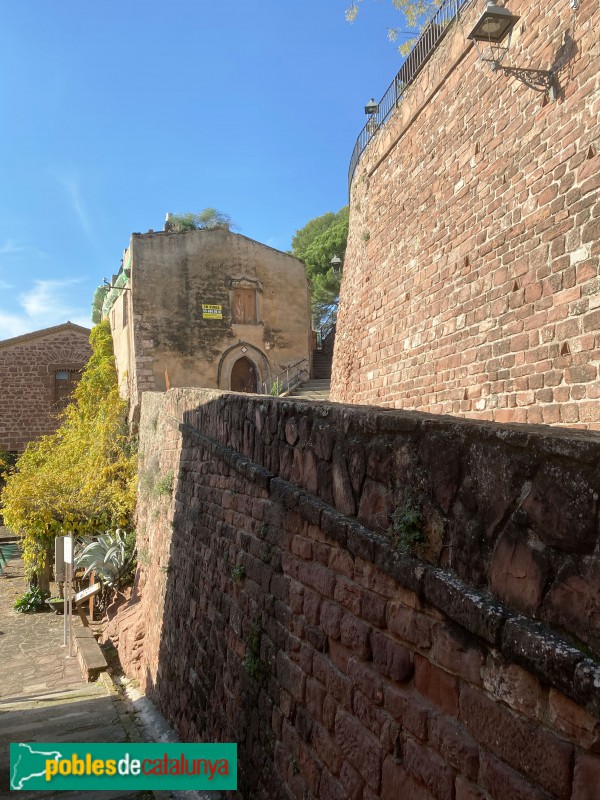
(81, 478)
(316, 244)
(416, 14)
(207, 220)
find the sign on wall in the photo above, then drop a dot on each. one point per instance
(212, 311)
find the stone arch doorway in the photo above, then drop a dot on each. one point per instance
(242, 351)
(243, 376)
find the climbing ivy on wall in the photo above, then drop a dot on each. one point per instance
(81, 478)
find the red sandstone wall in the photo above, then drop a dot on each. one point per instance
(266, 613)
(27, 367)
(471, 275)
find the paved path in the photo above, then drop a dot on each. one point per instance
(43, 697)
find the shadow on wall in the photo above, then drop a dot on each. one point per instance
(330, 653)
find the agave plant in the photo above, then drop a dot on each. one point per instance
(108, 555)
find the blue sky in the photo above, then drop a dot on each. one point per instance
(115, 112)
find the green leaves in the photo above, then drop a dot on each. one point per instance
(83, 477)
(32, 601)
(206, 220)
(107, 556)
(416, 13)
(316, 244)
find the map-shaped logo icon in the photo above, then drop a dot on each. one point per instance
(30, 763)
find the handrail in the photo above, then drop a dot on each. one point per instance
(432, 34)
(328, 325)
(294, 374)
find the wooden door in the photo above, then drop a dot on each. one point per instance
(244, 306)
(244, 377)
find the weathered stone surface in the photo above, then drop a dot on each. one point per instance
(573, 602)
(541, 757)
(586, 778)
(532, 645)
(441, 456)
(268, 617)
(376, 505)
(561, 507)
(504, 783)
(587, 685)
(342, 488)
(391, 658)
(30, 393)
(511, 684)
(453, 650)
(518, 574)
(468, 608)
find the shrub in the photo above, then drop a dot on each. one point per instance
(32, 601)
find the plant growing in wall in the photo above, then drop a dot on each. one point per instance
(164, 485)
(406, 529)
(208, 219)
(256, 669)
(81, 478)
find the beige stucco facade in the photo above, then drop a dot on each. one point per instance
(206, 308)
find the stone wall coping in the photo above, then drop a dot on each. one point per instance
(528, 642)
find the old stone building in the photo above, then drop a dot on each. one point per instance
(38, 372)
(471, 279)
(207, 308)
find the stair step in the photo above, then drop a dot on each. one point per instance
(312, 390)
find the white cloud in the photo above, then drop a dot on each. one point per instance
(48, 303)
(48, 298)
(10, 246)
(13, 325)
(71, 184)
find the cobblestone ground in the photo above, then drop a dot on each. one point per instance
(43, 697)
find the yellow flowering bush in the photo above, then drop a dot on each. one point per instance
(81, 478)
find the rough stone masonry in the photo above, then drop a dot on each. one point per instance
(470, 281)
(280, 602)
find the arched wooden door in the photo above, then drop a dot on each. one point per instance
(243, 376)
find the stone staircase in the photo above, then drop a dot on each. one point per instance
(316, 389)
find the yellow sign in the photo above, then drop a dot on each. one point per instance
(212, 312)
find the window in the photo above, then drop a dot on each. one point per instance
(125, 310)
(244, 306)
(65, 380)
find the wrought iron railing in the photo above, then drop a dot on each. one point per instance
(432, 34)
(327, 325)
(286, 379)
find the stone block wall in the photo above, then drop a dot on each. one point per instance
(471, 282)
(28, 365)
(274, 608)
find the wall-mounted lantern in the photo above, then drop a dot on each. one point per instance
(494, 25)
(336, 265)
(492, 28)
(372, 107)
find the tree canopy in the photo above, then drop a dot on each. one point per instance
(83, 477)
(416, 14)
(206, 220)
(316, 244)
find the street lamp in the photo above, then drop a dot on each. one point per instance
(336, 265)
(492, 28)
(494, 25)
